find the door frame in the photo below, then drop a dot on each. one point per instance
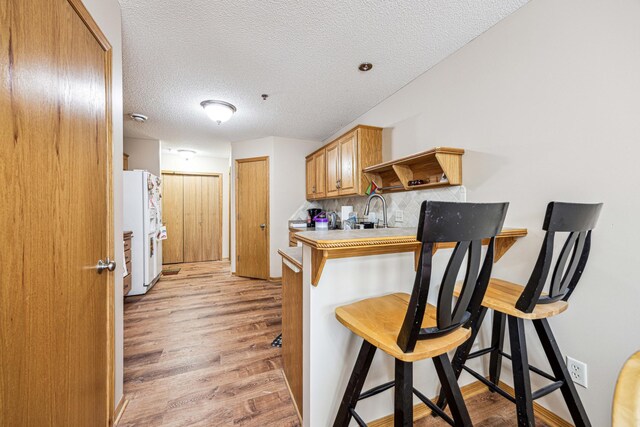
(249, 160)
(94, 29)
(219, 175)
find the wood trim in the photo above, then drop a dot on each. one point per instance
(170, 172)
(253, 159)
(275, 279)
(295, 405)
(91, 24)
(421, 411)
(122, 405)
(540, 411)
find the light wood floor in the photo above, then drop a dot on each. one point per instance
(198, 353)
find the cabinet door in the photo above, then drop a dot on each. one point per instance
(311, 178)
(211, 218)
(193, 219)
(321, 174)
(348, 165)
(333, 169)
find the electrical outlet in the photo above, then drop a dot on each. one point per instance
(577, 371)
(399, 216)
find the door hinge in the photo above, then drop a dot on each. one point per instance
(237, 257)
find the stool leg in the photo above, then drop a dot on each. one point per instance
(462, 352)
(356, 382)
(561, 372)
(497, 341)
(403, 405)
(451, 391)
(521, 380)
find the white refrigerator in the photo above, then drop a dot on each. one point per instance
(142, 210)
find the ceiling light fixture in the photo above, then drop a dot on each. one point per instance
(186, 154)
(365, 66)
(218, 111)
(137, 117)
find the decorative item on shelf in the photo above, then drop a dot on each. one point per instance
(371, 188)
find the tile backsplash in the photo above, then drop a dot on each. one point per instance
(409, 202)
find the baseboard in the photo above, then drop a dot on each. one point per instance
(540, 411)
(293, 399)
(468, 391)
(275, 279)
(122, 405)
(421, 410)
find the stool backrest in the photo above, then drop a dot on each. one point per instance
(466, 225)
(578, 220)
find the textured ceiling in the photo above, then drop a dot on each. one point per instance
(304, 54)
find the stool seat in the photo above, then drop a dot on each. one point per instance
(378, 321)
(502, 296)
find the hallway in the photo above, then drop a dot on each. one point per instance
(198, 352)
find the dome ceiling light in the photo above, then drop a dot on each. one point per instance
(218, 111)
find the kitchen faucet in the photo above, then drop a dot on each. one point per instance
(384, 208)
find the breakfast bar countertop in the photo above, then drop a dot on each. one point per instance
(333, 244)
(333, 239)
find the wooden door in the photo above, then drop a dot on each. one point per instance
(333, 169)
(173, 217)
(348, 164)
(193, 248)
(56, 310)
(311, 177)
(321, 174)
(211, 218)
(252, 217)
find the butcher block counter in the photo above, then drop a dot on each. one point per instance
(338, 267)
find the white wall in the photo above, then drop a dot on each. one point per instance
(286, 187)
(143, 154)
(547, 105)
(107, 15)
(173, 162)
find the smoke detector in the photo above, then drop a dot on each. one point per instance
(137, 117)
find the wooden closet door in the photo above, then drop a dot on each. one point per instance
(193, 218)
(173, 216)
(211, 218)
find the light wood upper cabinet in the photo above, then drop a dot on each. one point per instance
(320, 173)
(344, 159)
(333, 170)
(311, 177)
(316, 180)
(348, 161)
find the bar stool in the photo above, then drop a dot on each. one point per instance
(515, 304)
(409, 329)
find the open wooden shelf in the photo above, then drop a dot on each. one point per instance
(428, 166)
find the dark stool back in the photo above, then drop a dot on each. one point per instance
(408, 328)
(578, 220)
(530, 303)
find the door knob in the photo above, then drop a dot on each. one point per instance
(263, 226)
(105, 265)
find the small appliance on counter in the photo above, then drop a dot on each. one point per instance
(311, 217)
